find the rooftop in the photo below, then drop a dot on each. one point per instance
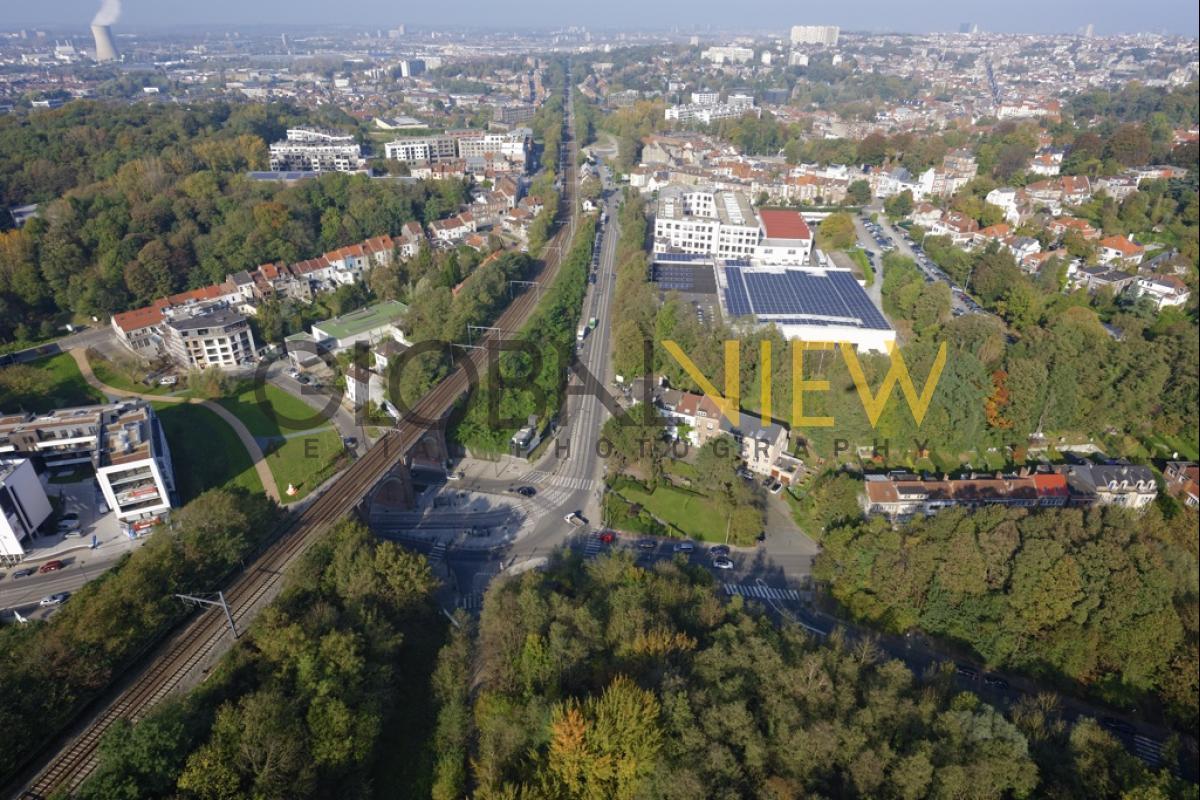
(364, 319)
(784, 224)
(801, 297)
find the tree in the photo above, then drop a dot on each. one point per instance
(858, 192)
(899, 205)
(837, 232)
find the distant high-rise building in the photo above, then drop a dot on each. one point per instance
(826, 35)
(105, 49)
(968, 27)
(1089, 31)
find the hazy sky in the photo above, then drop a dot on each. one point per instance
(1109, 16)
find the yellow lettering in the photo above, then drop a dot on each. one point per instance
(897, 373)
(764, 372)
(729, 403)
(800, 386)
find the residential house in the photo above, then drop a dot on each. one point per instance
(1183, 481)
(1164, 290)
(1119, 250)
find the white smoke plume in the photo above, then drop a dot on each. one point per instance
(108, 13)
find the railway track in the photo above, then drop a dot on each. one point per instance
(208, 634)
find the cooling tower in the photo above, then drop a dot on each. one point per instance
(105, 49)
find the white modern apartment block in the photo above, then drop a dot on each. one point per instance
(706, 98)
(307, 150)
(733, 55)
(215, 337)
(511, 145)
(23, 507)
(826, 35)
(703, 222)
(123, 442)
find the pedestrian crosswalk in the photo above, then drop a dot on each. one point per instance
(762, 592)
(471, 602)
(1148, 750)
(438, 552)
(543, 478)
(593, 546)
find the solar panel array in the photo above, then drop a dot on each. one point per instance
(679, 258)
(798, 297)
(737, 303)
(682, 279)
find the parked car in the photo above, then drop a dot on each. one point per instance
(455, 476)
(576, 519)
(68, 522)
(776, 488)
(718, 551)
(51, 566)
(968, 672)
(722, 563)
(293, 373)
(995, 681)
(54, 599)
(684, 547)
(607, 537)
(647, 544)
(24, 573)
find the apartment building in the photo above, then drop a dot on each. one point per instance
(23, 507)
(215, 337)
(825, 35)
(701, 221)
(124, 442)
(307, 150)
(512, 146)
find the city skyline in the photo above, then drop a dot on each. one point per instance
(1024, 16)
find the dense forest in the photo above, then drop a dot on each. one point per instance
(606, 680)
(51, 669)
(327, 696)
(139, 202)
(1105, 598)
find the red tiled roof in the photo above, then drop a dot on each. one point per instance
(138, 318)
(781, 224)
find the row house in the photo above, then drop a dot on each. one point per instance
(1054, 193)
(452, 229)
(902, 495)
(1061, 226)
(1094, 279)
(1117, 250)
(958, 226)
(1125, 485)
(1164, 290)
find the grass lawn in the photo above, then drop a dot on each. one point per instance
(276, 414)
(304, 461)
(195, 435)
(67, 388)
(693, 515)
(1167, 446)
(108, 374)
(308, 456)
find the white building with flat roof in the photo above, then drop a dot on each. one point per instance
(23, 507)
(307, 150)
(826, 35)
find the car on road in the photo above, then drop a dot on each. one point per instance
(525, 491)
(722, 563)
(576, 519)
(995, 681)
(24, 573)
(54, 599)
(968, 672)
(350, 442)
(68, 523)
(647, 544)
(718, 551)
(684, 547)
(51, 566)
(607, 537)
